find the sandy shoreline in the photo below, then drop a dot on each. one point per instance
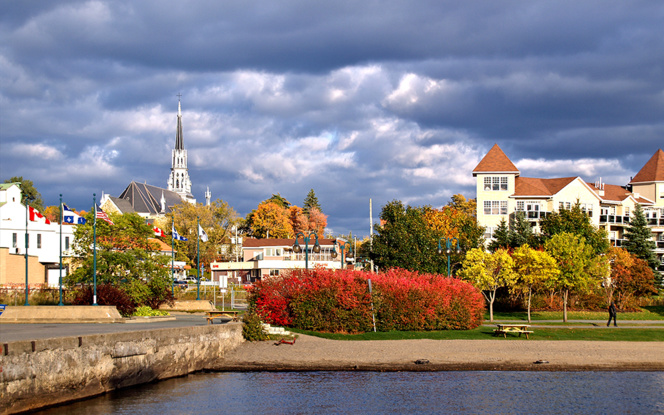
(313, 353)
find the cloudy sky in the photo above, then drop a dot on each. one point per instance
(355, 99)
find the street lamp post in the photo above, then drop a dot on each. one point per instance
(449, 245)
(297, 248)
(342, 247)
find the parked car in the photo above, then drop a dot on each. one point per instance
(181, 284)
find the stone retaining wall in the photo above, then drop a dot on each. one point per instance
(35, 374)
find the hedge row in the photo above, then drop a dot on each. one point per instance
(339, 301)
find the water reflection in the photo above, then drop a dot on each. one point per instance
(374, 392)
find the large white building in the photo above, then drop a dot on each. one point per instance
(44, 241)
(502, 191)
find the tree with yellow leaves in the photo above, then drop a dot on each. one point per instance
(532, 267)
(271, 220)
(489, 271)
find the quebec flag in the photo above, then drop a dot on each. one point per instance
(176, 235)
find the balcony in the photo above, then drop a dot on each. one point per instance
(614, 219)
(534, 214)
(655, 221)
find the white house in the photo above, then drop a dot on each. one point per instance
(43, 243)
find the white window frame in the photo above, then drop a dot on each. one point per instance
(495, 183)
(495, 207)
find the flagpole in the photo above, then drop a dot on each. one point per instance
(26, 252)
(94, 250)
(198, 251)
(172, 261)
(60, 281)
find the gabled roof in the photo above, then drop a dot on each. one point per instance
(653, 171)
(145, 198)
(5, 186)
(531, 186)
(495, 161)
(122, 204)
(260, 243)
(612, 192)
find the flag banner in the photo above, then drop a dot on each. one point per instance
(102, 215)
(71, 217)
(158, 232)
(202, 234)
(176, 235)
(34, 214)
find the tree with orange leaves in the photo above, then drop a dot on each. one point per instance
(317, 221)
(271, 220)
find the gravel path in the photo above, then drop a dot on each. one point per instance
(313, 353)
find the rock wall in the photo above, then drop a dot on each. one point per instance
(34, 374)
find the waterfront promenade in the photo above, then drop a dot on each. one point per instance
(312, 353)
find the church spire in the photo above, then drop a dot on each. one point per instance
(179, 142)
(178, 180)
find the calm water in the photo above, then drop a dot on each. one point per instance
(385, 393)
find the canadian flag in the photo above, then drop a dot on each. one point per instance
(158, 232)
(34, 214)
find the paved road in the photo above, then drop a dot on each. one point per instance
(19, 332)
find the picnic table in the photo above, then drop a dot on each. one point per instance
(232, 315)
(512, 328)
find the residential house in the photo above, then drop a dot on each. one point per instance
(502, 191)
(43, 242)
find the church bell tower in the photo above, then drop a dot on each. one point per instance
(179, 181)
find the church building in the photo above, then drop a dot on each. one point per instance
(152, 201)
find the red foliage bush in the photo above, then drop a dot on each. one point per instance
(106, 295)
(339, 301)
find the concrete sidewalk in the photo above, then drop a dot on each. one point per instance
(20, 332)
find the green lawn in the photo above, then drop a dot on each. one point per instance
(484, 333)
(647, 313)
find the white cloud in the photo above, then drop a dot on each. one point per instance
(37, 151)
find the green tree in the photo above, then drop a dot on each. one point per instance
(532, 268)
(488, 272)
(575, 221)
(311, 201)
(638, 240)
(279, 200)
(125, 257)
(521, 232)
(29, 193)
(405, 241)
(501, 237)
(580, 268)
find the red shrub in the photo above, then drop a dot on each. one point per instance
(339, 301)
(106, 295)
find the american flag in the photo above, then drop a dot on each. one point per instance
(102, 215)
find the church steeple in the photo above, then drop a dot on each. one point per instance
(178, 180)
(179, 143)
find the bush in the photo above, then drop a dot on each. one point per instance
(146, 311)
(252, 329)
(106, 295)
(339, 301)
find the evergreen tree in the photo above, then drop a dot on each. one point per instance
(639, 240)
(521, 233)
(311, 201)
(501, 237)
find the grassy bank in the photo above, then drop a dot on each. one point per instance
(486, 333)
(646, 313)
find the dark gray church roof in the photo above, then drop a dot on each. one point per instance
(145, 198)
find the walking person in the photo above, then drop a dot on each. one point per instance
(612, 315)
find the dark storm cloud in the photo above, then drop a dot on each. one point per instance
(357, 100)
